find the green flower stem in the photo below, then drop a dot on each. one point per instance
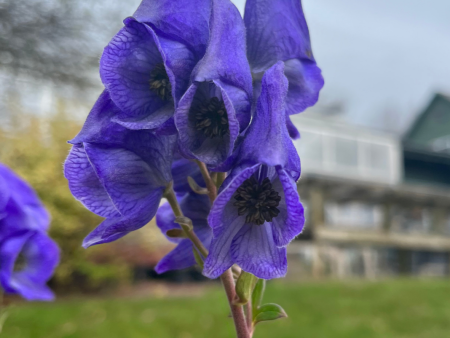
(210, 185)
(172, 199)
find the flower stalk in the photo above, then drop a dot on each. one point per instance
(210, 185)
(240, 321)
(237, 311)
(249, 317)
(169, 194)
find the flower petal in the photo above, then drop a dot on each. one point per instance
(42, 256)
(186, 21)
(194, 143)
(267, 139)
(196, 207)
(85, 186)
(224, 73)
(292, 129)
(225, 59)
(154, 120)
(125, 68)
(98, 127)
(289, 223)
(219, 258)
(167, 128)
(28, 204)
(225, 223)
(277, 31)
(254, 250)
(305, 82)
(128, 179)
(114, 228)
(223, 212)
(182, 256)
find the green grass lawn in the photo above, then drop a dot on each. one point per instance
(357, 309)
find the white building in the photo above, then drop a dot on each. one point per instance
(361, 218)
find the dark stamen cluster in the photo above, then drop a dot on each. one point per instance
(212, 118)
(258, 200)
(160, 83)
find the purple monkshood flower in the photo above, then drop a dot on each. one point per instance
(147, 66)
(277, 31)
(196, 207)
(216, 107)
(258, 211)
(117, 173)
(28, 256)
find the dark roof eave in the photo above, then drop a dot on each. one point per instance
(412, 151)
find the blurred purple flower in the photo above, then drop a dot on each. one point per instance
(117, 173)
(147, 66)
(258, 211)
(28, 256)
(196, 207)
(216, 106)
(277, 31)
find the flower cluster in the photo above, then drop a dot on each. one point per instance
(28, 256)
(191, 82)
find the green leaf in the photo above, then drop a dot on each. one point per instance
(195, 187)
(258, 293)
(198, 257)
(268, 312)
(176, 233)
(244, 288)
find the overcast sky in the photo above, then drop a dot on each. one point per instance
(382, 57)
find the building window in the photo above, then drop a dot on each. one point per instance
(354, 215)
(346, 152)
(410, 219)
(378, 157)
(426, 263)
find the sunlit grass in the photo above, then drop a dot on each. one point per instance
(400, 309)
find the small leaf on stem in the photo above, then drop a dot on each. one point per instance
(258, 293)
(268, 312)
(185, 223)
(244, 288)
(176, 233)
(196, 188)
